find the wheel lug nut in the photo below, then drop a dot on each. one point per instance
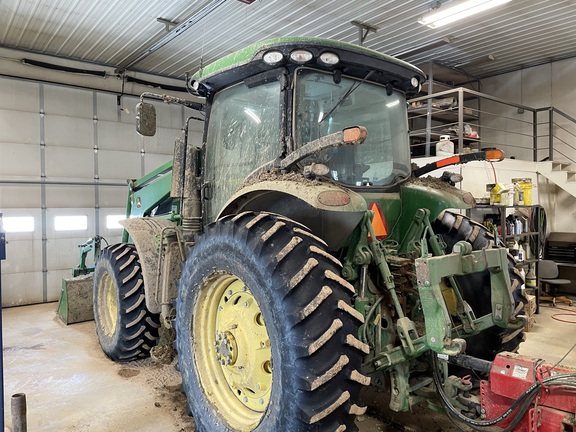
(245, 399)
(261, 401)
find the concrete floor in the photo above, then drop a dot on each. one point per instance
(70, 385)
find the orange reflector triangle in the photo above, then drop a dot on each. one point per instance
(378, 222)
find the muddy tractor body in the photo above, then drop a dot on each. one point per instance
(297, 258)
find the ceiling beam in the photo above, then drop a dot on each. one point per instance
(363, 30)
(134, 58)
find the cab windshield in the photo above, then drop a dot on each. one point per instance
(325, 104)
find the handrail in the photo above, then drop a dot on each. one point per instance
(476, 94)
(497, 124)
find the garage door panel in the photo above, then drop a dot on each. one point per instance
(17, 196)
(153, 161)
(69, 162)
(68, 101)
(19, 160)
(113, 196)
(22, 256)
(69, 132)
(62, 196)
(22, 288)
(118, 165)
(19, 127)
(19, 95)
(118, 136)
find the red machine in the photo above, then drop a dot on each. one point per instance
(530, 395)
(522, 394)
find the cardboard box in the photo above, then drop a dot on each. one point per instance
(530, 310)
(531, 306)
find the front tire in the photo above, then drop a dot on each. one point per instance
(126, 329)
(266, 331)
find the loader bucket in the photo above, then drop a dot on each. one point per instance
(75, 303)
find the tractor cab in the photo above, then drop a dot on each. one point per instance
(273, 98)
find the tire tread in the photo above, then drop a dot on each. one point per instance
(136, 328)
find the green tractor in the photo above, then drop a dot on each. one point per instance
(298, 258)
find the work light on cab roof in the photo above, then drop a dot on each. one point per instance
(340, 58)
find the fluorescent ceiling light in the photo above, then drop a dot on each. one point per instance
(457, 10)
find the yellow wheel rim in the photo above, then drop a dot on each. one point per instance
(233, 356)
(108, 304)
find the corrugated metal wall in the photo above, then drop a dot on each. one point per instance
(67, 151)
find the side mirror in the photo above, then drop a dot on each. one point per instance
(146, 119)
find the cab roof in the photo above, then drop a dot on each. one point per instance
(355, 61)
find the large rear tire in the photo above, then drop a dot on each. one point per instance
(475, 287)
(126, 329)
(266, 333)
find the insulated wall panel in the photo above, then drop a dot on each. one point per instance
(113, 196)
(562, 88)
(68, 101)
(21, 289)
(23, 255)
(65, 131)
(118, 136)
(20, 160)
(18, 95)
(69, 196)
(69, 162)
(19, 127)
(109, 110)
(153, 161)
(19, 196)
(119, 165)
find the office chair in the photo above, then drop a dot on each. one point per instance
(548, 274)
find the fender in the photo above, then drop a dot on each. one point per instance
(160, 265)
(330, 211)
(431, 194)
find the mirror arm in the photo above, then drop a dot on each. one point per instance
(173, 99)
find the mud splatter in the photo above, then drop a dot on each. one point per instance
(22, 348)
(128, 373)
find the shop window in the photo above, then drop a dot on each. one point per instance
(18, 224)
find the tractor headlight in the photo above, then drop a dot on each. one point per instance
(329, 58)
(300, 56)
(273, 57)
